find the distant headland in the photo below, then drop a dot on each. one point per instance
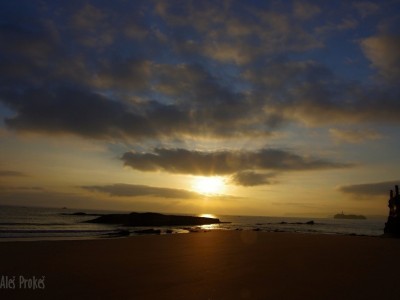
(153, 219)
(343, 216)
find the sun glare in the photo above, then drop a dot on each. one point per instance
(208, 216)
(208, 185)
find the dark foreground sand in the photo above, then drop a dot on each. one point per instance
(212, 265)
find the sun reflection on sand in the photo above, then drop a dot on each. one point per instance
(209, 227)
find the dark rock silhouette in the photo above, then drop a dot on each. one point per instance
(392, 225)
(354, 217)
(123, 232)
(296, 223)
(148, 231)
(118, 233)
(80, 214)
(152, 219)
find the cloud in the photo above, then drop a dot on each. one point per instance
(309, 92)
(36, 42)
(183, 161)
(88, 17)
(36, 196)
(194, 102)
(91, 26)
(305, 10)
(80, 112)
(250, 178)
(335, 26)
(21, 188)
(8, 173)
(94, 115)
(229, 52)
(128, 74)
(132, 190)
(202, 69)
(369, 189)
(384, 53)
(199, 105)
(354, 136)
(366, 8)
(214, 107)
(3, 132)
(233, 32)
(27, 52)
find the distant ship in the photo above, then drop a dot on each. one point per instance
(343, 216)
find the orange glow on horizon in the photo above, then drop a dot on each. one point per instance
(208, 216)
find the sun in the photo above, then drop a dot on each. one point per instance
(207, 216)
(209, 186)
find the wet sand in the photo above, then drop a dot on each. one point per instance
(211, 265)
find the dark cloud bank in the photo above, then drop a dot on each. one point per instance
(250, 178)
(9, 173)
(369, 189)
(248, 168)
(95, 70)
(132, 190)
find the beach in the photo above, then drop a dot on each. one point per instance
(205, 265)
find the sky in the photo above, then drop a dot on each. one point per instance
(276, 108)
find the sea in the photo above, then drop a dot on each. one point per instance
(38, 223)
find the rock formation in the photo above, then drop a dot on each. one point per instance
(152, 219)
(392, 225)
(343, 216)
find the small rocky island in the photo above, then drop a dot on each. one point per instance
(354, 217)
(153, 219)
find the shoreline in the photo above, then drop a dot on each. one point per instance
(208, 265)
(122, 236)
(49, 223)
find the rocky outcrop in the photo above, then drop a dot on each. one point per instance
(152, 219)
(392, 226)
(148, 231)
(81, 214)
(349, 217)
